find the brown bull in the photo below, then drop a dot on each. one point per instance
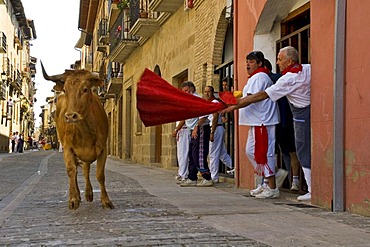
(82, 127)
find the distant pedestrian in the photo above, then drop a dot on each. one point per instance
(13, 142)
(29, 141)
(20, 144)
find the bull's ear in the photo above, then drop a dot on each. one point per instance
(58, 86)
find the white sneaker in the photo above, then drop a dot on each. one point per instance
(205, 183)
(295, 187)
(216, 181)
(305, 197)
(258, 190)
(188, 183)
(231, 172)
(178, 177)
(269, 193)
(280, 177)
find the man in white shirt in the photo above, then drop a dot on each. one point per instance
(262, 118)
(217, 146)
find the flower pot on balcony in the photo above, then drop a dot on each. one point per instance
(143, 14)
(123, 4)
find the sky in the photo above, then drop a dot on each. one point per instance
(56, 25)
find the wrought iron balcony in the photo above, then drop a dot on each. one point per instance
(166, 5)
(147, 23)
(17, 80)
(102, 37)
(2, 90)
(103, 32)
(115, 79)
(122, 43)
(3, 44)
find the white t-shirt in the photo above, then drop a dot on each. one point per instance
(190, 123)
(210, 117)
(295, 86)
(265, 112)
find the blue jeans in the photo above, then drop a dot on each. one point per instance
(302, 131)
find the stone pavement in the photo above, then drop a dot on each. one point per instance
(152, 210)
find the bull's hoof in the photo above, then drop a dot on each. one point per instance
(74, 204)
(89, 196)
(108, 205)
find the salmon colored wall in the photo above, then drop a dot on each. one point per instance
(243, 43)
(357, 110)
(322, 62)
(356, 100)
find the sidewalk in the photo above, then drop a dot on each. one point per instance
(275, 222)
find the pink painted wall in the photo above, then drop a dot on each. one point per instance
(357, 110)
(356, 93)
(245, 24)
(356, 100)
(322, 48)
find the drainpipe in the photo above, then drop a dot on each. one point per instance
(338, 124)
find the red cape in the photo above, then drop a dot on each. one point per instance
(158, 102)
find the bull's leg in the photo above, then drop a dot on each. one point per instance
(88, 188)
(71, 167)
(100, 176)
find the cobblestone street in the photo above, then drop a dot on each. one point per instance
(152, 210)
(34, 211)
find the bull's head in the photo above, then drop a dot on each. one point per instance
(76, 86)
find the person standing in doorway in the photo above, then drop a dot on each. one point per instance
(285, 141)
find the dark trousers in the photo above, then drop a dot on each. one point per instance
(198, 154)
(302, 132)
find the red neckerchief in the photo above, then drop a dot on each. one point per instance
(260, 69)
(294, 68)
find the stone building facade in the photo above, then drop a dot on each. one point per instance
(179, 40)
(17, 69)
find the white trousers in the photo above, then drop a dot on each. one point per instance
(183, 143)
(271, 159)
(217, 152)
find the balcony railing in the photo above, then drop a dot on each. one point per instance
(3, 44)
(115, 75)
(103, 32)
(147, 23)
(166, 5)
(102, 37)
(2, 90)
(17, 80)
(121, 41)
(120, 31)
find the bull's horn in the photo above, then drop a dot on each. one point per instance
(54, 78)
